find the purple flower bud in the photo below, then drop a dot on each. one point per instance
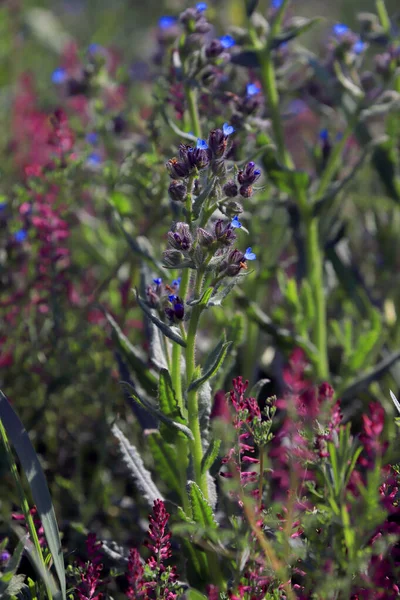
(204, 238)
(224, 233)
(230, 189)
(172, 258)
(217, 143)
(181, 238)
(249, 174)
(177, 310)
(177, 191)
(177, 169)
(214, 49)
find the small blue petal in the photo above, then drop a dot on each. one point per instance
(20, 236)
(359, 47)
(93, 160)
(257, 172)
(59, 76)
(166, 22)
(340, 29)
(227, 129)
(201, 6)
(249, 254)
(276, 3)
(176, 282)
(172, 297)
(3, 206)
(252, 89)
(94, 48)
(324, 135)
(157, 281)
(227, 41)
(235, 223)
(92, 138)
(201, 144)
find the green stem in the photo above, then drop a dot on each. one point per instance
(191, 99)
(24, 504)
(192, 402)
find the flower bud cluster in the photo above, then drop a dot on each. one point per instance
(165, 298)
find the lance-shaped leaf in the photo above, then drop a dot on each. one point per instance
(204, 298)
(212, 365)
(134, 356)
(201, 509)
(171, 332)
(295, 27)
(135, 466)
(165, 461)
(210, 455)
(37, 481)
(201, 198)
(154, 410)
(221, 294)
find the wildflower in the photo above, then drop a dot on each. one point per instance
(249, 174)
(252, 89)
(217, 143)
(94, 160)
(201, 144)
(4, 556)
(92, 138)
(59, 76)
(276, 4)
(90, 572)
(227, 129)
(340, 29)
(166, 22)
(235, 223)
(201, 7)
(135, 576)
(234, 262)
(227, 41)
(224, 233)
(204, 238)
(249, 255)
(20, 235)
(359, 47)
(177, 308)
(157, 281)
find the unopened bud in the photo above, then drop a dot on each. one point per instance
(177, 191)
(204, 238)
(172, 258)
(230, 189)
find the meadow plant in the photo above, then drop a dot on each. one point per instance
(198, 279)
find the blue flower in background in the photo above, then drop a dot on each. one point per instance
(172, 297)
(227, 41)
(276, 3)
(201, 144)
(94, 160)
(3, 206)
(227, 129)
(249, 254)
(201, 6)
(59, 76)
(157, 281)
(235, 223)
(94, 48)
(252, 89)
(92, 138)
(20, 236)
(359, 47)
(340, 29)
(176, 283)
(166, 22)
(324, 135)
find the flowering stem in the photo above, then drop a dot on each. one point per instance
(192, 402)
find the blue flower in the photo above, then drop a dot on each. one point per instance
(359, 47)
(324, 135)
(201, 144)
(157, 281)
(3, 206)
(249, 254)
(227, 41)
(227, 129)
(166, 22)
(340, 29)
(235, 223)
(176, 283)
(201, 6)
(252, 89)
(94, 48)
(59, 76)
(92, 138)
(94, 159)
(172, 297)
(276, 3)
(20, 236)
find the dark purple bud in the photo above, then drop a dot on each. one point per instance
(177, 309)
(198, 158)
(77, 87)
(177, 191)
(177, 169)
(230, 189)
(217, 143)
(234, 262)
(181, 238)
(224, 233)
(214, 49)
(119, 124)
(246, 191)
(204, 238)
(249, 174)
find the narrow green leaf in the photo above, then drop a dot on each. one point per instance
(204, 298)
(193, 594)
(222, 350)
(153, 410)
(364, 380)
(37, 482)
(297, 26)
(201, 509)
(134, 463)
(168, 331)
(210, 455)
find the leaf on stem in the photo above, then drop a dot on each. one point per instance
(201, 509)
(210, 455)
(134, 463)
(171, 332)
(213, 364)
(165, 460)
